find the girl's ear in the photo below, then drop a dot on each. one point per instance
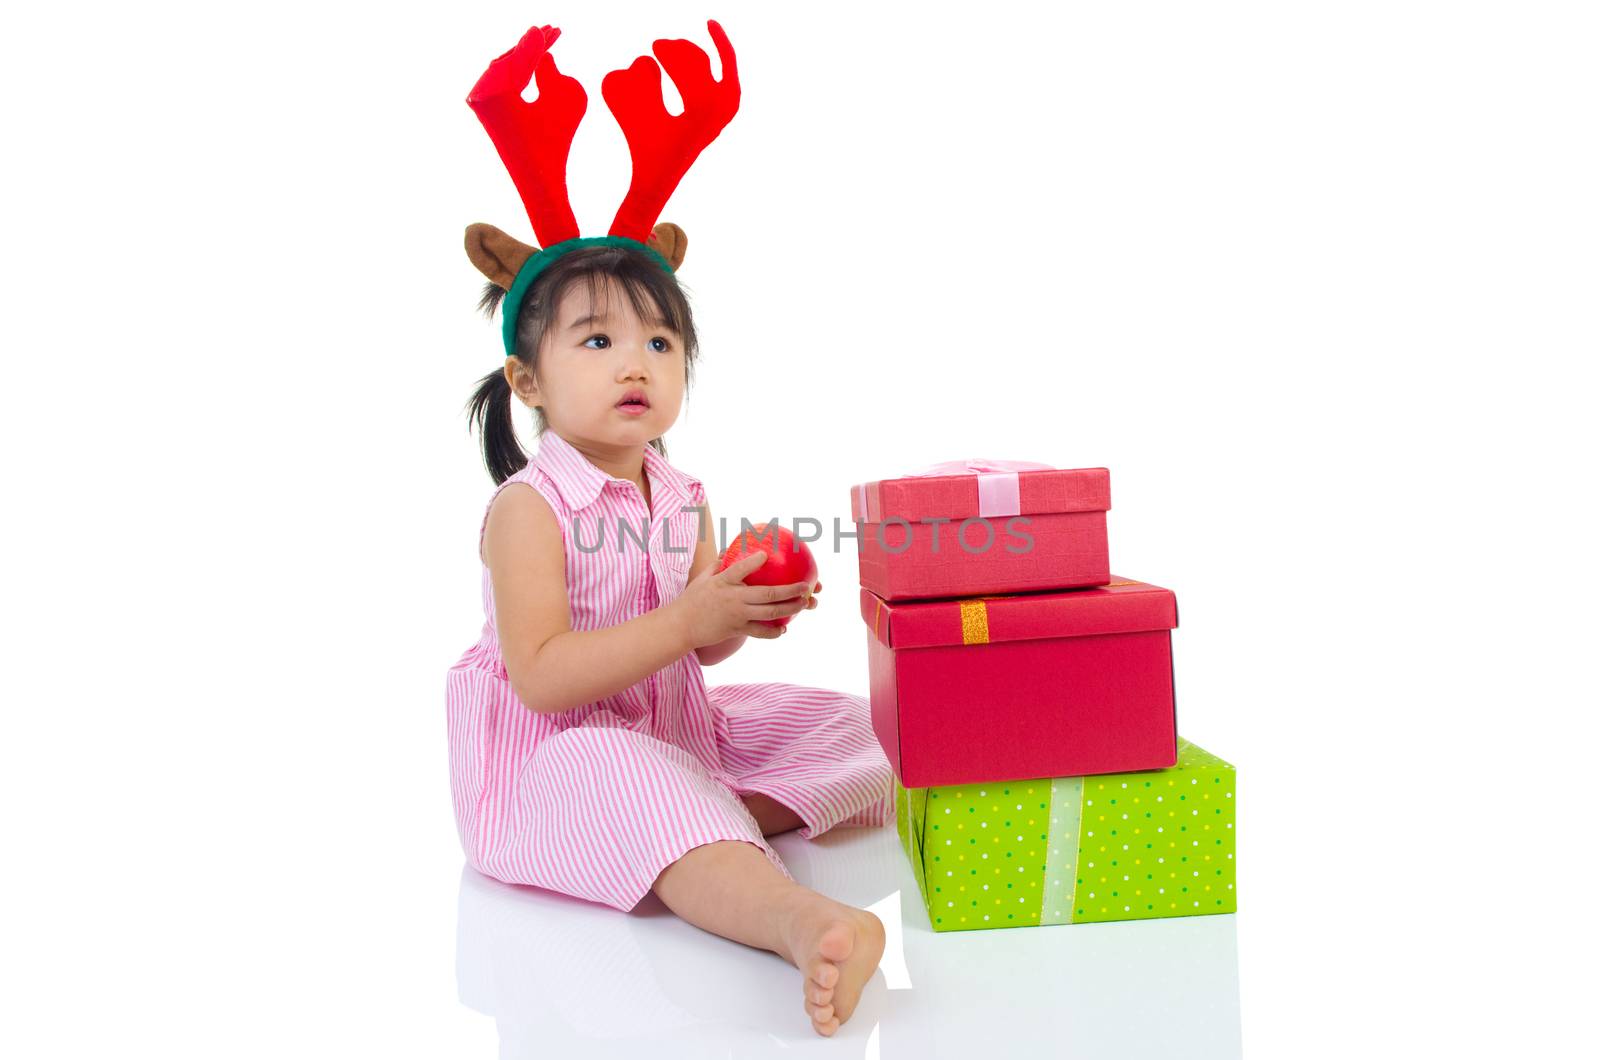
(524, 384)
(496, 255)
(670, 242)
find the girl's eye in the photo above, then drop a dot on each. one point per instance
(663, 348)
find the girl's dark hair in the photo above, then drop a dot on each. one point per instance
(650, 289)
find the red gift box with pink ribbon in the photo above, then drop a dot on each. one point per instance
(964, 527)
(1019, 687)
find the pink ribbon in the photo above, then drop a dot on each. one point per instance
(999, 491)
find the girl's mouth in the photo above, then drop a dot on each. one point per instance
(633, 404)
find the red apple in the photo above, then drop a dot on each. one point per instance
(788, 560)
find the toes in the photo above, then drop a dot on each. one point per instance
(817, 994)
(837, 942)
(819, 1013)
(824, 974)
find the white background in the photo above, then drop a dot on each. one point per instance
(1316, 282)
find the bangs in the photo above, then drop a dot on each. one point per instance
(653, 295)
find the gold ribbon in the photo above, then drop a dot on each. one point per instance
(974, 621)
(975, 618)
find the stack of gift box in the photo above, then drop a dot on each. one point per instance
(1024, 698)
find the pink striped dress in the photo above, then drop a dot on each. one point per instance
(596, 801)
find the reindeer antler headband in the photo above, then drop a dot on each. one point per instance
(534, 139)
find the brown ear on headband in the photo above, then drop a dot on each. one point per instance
(670, 241)
(496, 254)
(500, 256)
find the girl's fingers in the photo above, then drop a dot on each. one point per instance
(779, 609)
(741, 567)
(767, 593)
(763, 631)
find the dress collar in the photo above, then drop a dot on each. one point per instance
(580, 482)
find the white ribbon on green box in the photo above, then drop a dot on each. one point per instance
(1061, 856)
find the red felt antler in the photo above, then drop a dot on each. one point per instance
(664, 145)
(534, 138)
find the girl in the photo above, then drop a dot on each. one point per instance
(587, 755)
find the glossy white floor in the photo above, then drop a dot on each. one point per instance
(563, 977)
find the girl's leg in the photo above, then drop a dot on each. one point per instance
(729, 888)
(772, 815)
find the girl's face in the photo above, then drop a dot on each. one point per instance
(595, 356)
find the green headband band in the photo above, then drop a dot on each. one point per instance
(539, 261)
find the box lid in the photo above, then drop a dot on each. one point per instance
(982, 493)
(1124, 606)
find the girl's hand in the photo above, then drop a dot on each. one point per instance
(718, 605)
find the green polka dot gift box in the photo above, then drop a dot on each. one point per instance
(1074, 850)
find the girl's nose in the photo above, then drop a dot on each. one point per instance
(633, 364)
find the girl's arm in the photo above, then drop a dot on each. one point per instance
(552, 668)
(705, 556)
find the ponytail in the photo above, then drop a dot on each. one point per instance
(490, 409)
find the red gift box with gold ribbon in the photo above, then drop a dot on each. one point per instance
(973, 526)
(1020, 687)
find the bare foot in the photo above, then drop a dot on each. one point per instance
(836, 947)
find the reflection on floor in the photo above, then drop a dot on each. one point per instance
(567, 978)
